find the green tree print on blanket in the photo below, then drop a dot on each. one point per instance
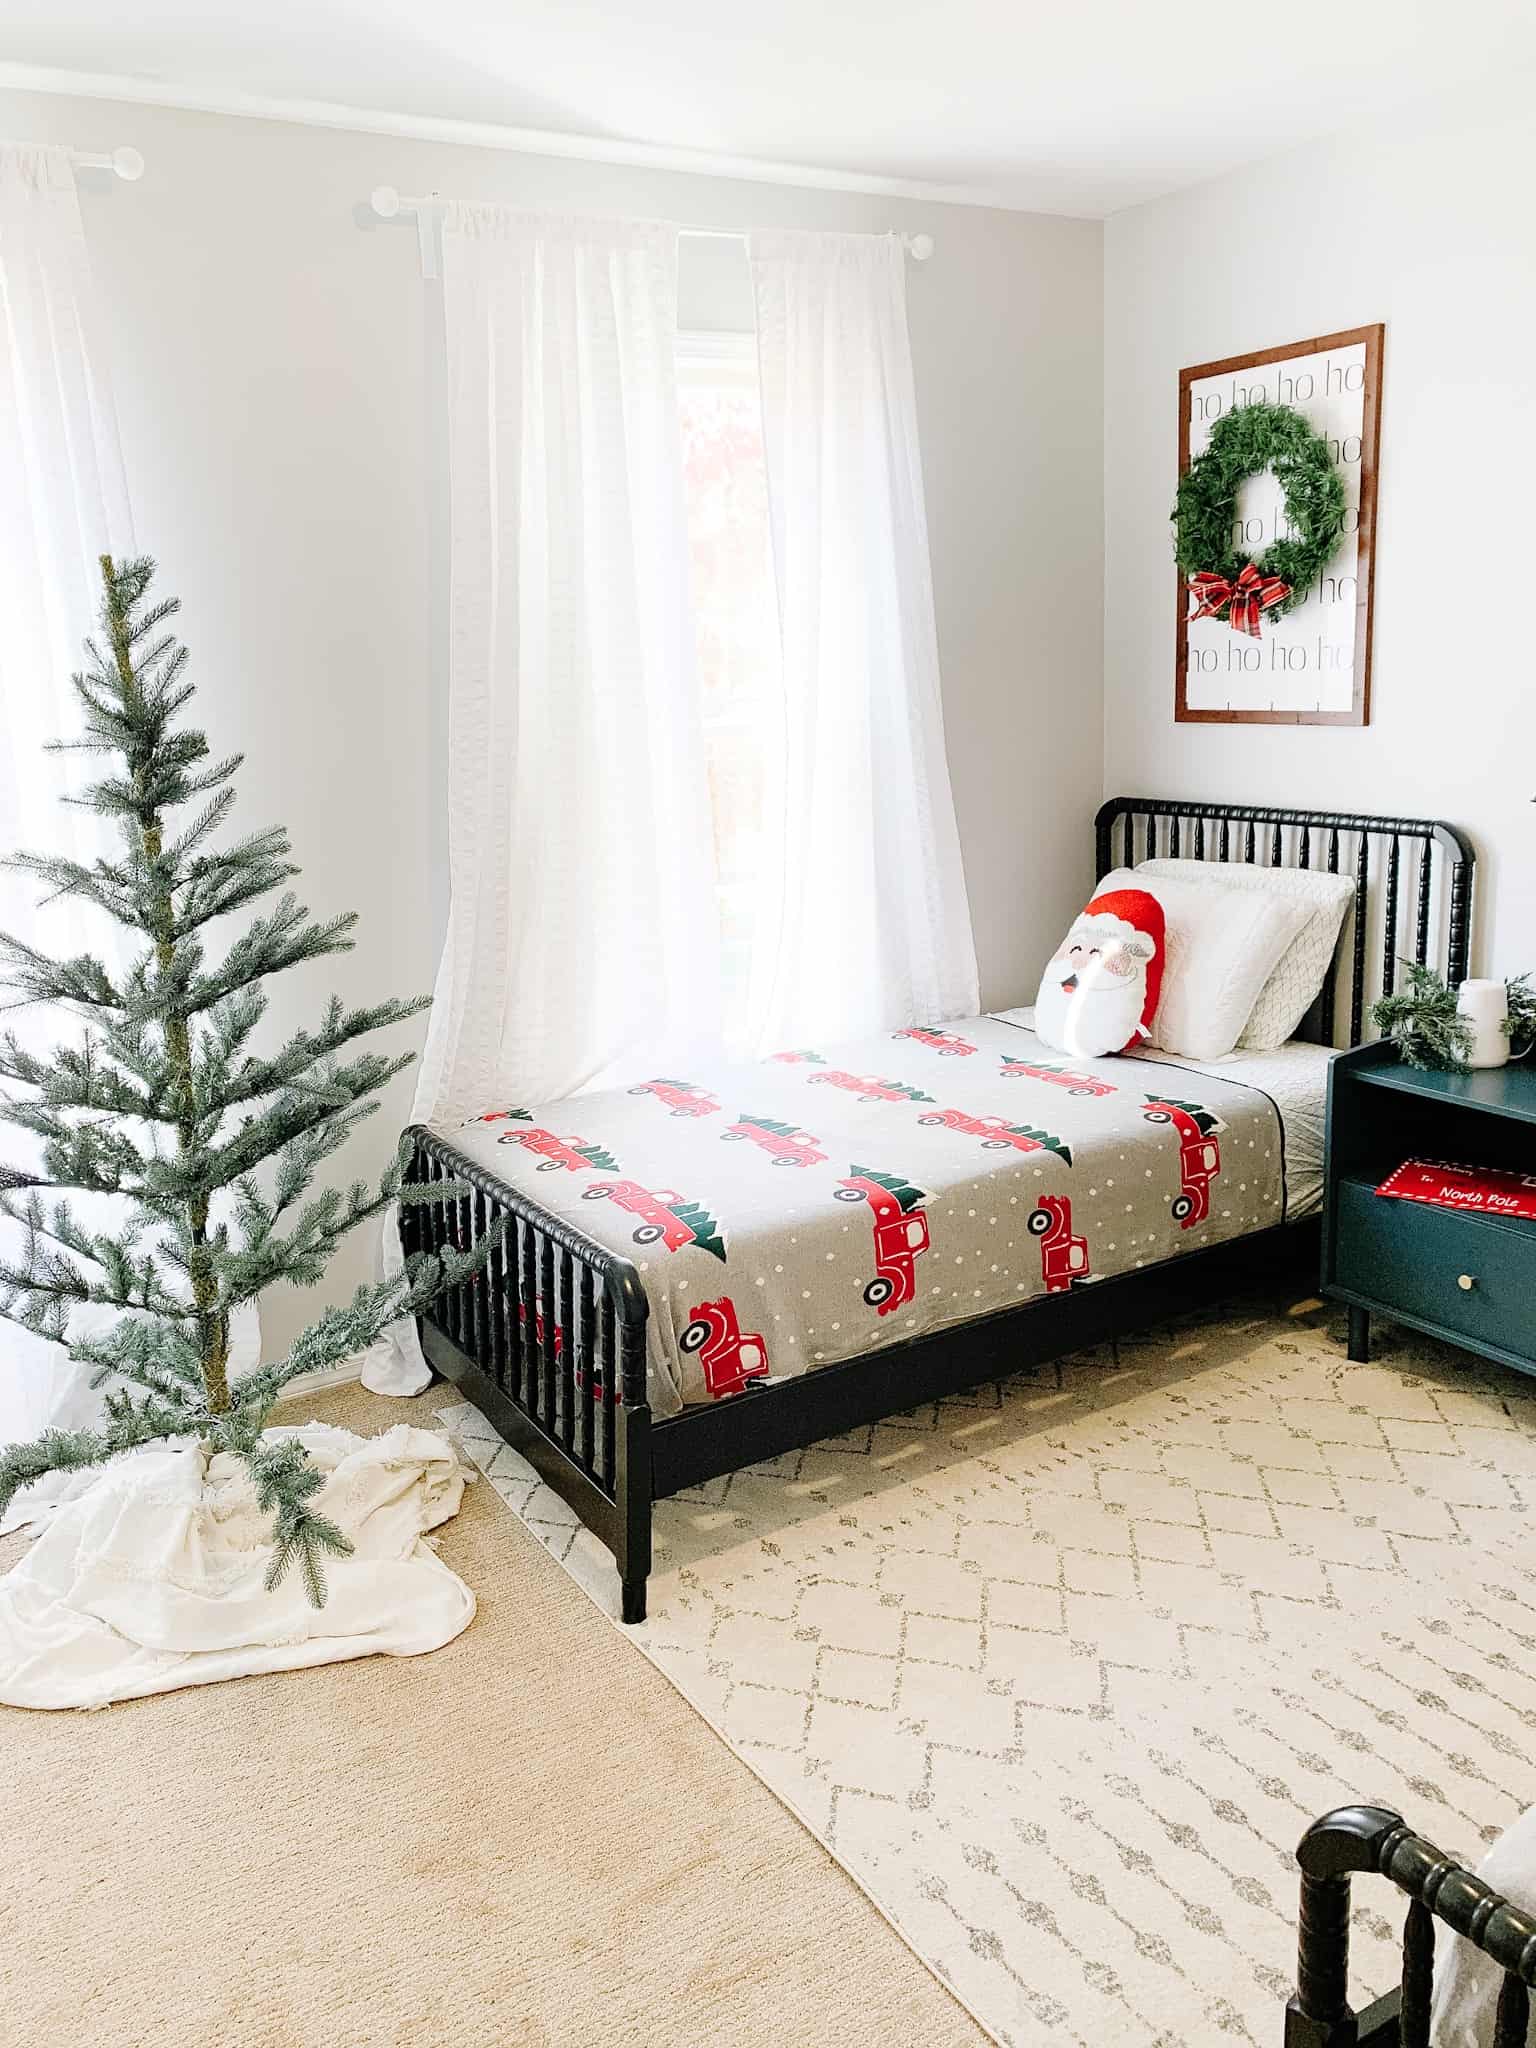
(1047, 1140)
(706, 1232)
(906, 1194)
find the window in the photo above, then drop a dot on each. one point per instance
(736, 613)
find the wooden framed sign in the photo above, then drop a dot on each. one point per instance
(1312, 665)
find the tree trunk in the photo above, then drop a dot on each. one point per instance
(212, 1327)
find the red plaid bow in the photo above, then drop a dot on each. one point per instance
(1249, 597)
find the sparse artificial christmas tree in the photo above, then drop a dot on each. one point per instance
(210, 1148)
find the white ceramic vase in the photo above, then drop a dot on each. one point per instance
(1485, 1005)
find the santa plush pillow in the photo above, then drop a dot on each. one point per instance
(1101, 987)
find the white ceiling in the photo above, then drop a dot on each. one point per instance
(1072, 106)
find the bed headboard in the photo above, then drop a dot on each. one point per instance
(1413, 872)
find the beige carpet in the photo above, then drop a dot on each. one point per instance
(526, 1838)
(1060, 1671)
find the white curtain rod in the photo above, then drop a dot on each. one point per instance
(128, 164)
(388, 204)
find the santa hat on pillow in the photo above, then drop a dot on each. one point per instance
(1100, 990)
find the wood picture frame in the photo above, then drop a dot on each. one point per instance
(1300, 675)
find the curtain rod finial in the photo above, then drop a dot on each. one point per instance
(128, 164)
(919, 247)
(385, 201)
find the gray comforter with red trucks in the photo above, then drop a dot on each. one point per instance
(831, 1200)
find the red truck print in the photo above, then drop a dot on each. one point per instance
(555, 1152)
(869, 1088)
(729, 1356)
(540, 1326)
(798, 1059)
(665, 1217)
(683, 1098)
(948, 1044)
(786, 1144)
(901, 1236)
(1063, 1257)
(1199, 1155)
(996, 1134)
(1057, 1077)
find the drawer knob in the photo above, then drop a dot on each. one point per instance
(1466, 1283)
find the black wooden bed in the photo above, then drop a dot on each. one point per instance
(549, 1338)
(1359, 1839)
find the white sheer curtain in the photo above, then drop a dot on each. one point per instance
(582, 932)
(866, 920)
(583, 929)
(63, 503)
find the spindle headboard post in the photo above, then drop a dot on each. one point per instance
(1417, 859)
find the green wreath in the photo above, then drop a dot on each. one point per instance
(1244, 443)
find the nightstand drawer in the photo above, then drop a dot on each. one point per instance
(1471, 1275)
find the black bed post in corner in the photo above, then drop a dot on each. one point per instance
(633, 1491)
(1103, 841)
(1332, 1849)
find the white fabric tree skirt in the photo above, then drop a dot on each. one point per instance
(152, 1577)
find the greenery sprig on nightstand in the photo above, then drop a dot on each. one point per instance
(1421, 1021)
(1521, 1024)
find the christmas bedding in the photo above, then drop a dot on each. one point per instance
(830, 1200)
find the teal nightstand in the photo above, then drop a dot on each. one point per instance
(1469, 1279)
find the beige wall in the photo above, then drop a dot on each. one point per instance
(272, 357)
(1424, 226)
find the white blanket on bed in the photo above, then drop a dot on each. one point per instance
(1467, 1983)
(153, 1577)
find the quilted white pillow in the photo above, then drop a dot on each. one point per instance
(1293, 987)
(1222, 946)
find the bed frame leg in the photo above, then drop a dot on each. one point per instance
(633, 1494)
(1360, 1336)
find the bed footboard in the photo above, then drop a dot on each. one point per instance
(548, 1339)
(1371, 1838)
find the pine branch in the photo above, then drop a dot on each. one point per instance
(1421, 1019)
(128, 1425)
(306, 1107)
(126, 1283)
(97, 1157)
(145, 1356)
(77, 1077)
(305, 1050)
(281, 940)
(286, 1481)
(215, 884)
(102, 885)
(82, 980)
(301, 1256)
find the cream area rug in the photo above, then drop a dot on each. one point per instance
(1060, 1670)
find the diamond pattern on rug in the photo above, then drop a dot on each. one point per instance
(1060, 1670)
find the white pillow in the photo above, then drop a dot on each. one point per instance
(1223, 945)
(1293, 987)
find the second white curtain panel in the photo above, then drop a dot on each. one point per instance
(866, 919)
(873, 922)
